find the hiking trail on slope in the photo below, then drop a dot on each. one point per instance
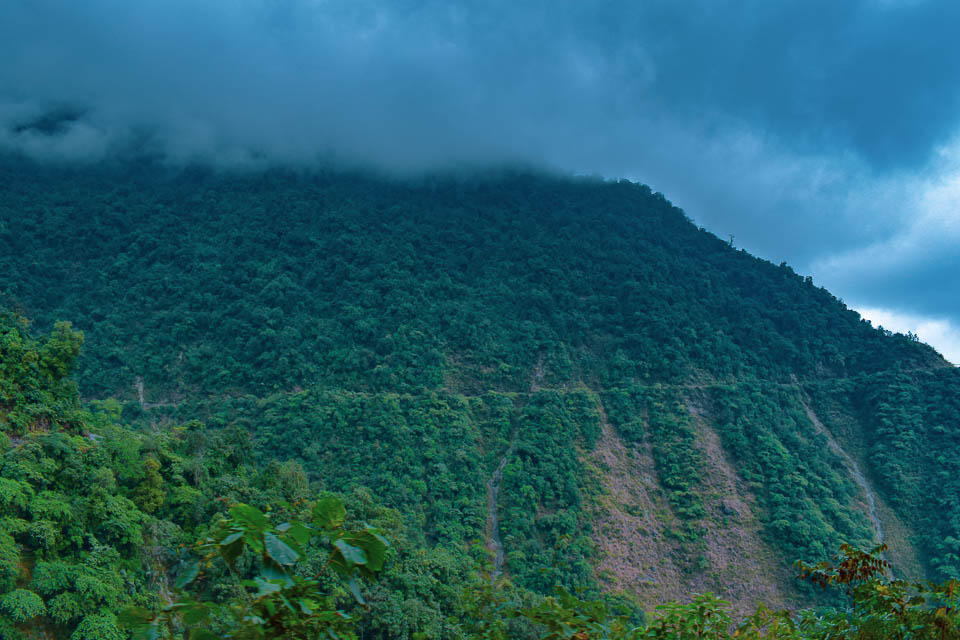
(854, 469)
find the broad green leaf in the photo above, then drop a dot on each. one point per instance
(254, 539)
(250, 516)
(265, 588)
(374, 545)
(279, 551)
(232, 551)
(276, 573)
(329, 513)
(187, 573)
(350, 553)
(355, 590)
(233, 537)
(300, 533)
(199, 633)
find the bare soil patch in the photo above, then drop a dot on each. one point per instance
(634, 523)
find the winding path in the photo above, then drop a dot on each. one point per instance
(854, 469)
(493, 520)
(495, 544)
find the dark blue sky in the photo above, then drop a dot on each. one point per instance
(822, 133)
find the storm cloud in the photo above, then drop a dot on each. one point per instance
(820, 133)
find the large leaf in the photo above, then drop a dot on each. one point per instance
(276, 573)
(350, 553)
(373, 545)
(329, 513)
(187, 573)
(254, 539)
(232, 551)
(233, 537)
(279, 551)
(300, 533)
(250, 517)
(355, 590)
(265, 588)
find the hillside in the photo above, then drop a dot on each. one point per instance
(641, 408)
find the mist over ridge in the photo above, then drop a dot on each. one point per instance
(819, 134)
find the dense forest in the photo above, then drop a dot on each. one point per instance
(566, 372)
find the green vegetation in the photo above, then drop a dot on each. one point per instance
(264, 344)
(87, 530)
(908, 423)
(204, 284)
(672, 440)
(802, 489)
(278, 602)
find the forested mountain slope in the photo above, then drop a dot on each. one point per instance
(661, 406)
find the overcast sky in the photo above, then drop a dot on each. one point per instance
(823, 133)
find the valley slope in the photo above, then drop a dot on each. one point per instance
(659, 412)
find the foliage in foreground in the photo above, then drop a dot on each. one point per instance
(286, 605)
(273, 599)
(876, 607)
(93, 515)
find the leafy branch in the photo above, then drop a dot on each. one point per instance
(276, 601)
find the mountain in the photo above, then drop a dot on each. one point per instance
(565, 370)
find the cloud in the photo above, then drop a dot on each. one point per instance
(942, 334)
(811, 131)
(397, 85)
(424, 83)
(917, 266)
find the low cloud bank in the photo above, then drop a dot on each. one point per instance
(815, 132)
